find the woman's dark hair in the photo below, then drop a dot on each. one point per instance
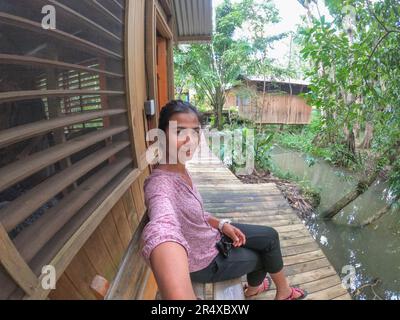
(173, 107)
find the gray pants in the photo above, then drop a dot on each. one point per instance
(260, 255)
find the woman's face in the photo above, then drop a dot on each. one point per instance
(183, 136)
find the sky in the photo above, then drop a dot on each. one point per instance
(290, 12)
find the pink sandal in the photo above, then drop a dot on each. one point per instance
(266, 284)
(294, 291)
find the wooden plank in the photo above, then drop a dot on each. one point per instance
(137, 196)
(94, 4)
(65, 290)
(121, 221)
(328, 294)
(23, 132)
(96, 251)
(86, 227)
(66, 38)
(167, 7)
(113, 243)
(294, 242)
(303, 257)
(26, 204)
(31, 240)
(162, 23)
(23, 168)
(151, 57)
(81, 272)
(306, 266)
(7, 284)
(131, 269)
(119, 5)
(130, 210)
(311, 287)
(15, 265)
(35, 94)
(302, 248)
(79, 19)
(44, 63)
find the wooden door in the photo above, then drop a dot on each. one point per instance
(162, 72)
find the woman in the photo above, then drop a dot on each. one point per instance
(179, 242)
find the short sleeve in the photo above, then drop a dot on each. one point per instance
(164, 224)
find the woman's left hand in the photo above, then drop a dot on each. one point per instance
(235, 234)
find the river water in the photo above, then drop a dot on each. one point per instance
(373, 251)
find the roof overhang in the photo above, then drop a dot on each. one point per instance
(194, 22)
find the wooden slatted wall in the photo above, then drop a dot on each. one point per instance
(71, 130)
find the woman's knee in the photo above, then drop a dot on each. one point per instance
(273, 238)
(272, 233)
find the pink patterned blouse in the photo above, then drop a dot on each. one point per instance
(176, 214)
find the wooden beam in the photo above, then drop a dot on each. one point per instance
(151, 58)
(94, 4)
(162, 23)
(22, 207)
(79, 19)
(23, 132)
(15, 265)
(38, 62)
(65, 37)
(31, 241)
(78, 239)
(126, 283)
(21, 169)
(167, 7)
(118, 4)
(35, 94)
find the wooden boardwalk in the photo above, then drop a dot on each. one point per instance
(225, 195)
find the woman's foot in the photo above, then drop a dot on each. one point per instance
(253, 291)
(292, 293)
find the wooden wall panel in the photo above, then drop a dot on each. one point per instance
(278, 109)
(101, 254)
(115, 232)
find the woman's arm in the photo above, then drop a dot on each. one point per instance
(169, 263)
(213, 221)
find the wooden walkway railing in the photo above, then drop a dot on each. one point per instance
(225, 195)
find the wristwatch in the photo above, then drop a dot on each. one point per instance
(222, 222)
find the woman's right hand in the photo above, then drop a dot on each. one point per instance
(235, 234)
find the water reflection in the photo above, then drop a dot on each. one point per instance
(373, 251)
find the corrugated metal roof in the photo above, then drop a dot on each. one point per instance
(278, 80)
(193, 20)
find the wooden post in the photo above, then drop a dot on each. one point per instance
(15, 265)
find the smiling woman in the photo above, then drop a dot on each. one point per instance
(180, 241)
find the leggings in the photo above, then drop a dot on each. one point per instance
(260, 255)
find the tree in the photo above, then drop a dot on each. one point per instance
(355, 80)
(213, 68)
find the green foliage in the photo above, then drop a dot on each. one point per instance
(210, 69)
(354, 70)
(263, 148)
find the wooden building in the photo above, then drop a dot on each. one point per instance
(72, 137)
(281, 103)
